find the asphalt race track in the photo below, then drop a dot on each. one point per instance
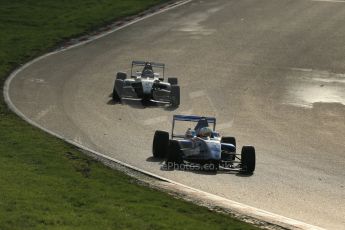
(272, 72)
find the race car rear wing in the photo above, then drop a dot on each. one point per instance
(153, 64)
(191, 118)
(143, 63)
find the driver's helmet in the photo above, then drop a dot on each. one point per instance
(205, 132)
(148, 66)
(147, 73)
(190, 133)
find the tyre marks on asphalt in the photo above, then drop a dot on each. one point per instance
(44, 112)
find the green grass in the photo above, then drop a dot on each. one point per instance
(48, 184)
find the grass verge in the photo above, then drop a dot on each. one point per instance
(46, 183)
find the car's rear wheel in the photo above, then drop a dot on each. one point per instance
(174, 157)
(213, 166)
(175, 95)
(116, 90)
(121, 76)
(248, 159)
(173, 80)
(229, 140)
(160, 144)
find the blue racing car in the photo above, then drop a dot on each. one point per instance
(201, 147)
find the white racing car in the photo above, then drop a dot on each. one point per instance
(146, 84)
(202, 146)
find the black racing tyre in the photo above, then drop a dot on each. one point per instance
(121, 76)
(248, 159)
(160, 144)
(175, 95)
(116, 94)
(214, 166)
(229, 140)
(174, 157)
(172, 80)
(146, 99)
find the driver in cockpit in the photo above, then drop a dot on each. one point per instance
(204, 132)
(147, 71)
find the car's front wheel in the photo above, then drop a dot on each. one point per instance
(117, 90)
(248, 159)
(175, 95)
(174, 157)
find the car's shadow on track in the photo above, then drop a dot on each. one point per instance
(244, 174)
(132, 103)
(194, 170)
(154, 159)
(112, 102)
(139, 104)
(202, 171)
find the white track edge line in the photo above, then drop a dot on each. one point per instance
(244, 209)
